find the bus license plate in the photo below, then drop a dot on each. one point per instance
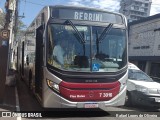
(157, 99)
(91, 105)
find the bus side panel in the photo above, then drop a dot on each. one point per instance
(50, 98)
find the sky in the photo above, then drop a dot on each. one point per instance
(30, 8)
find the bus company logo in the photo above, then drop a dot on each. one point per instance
(6, 114)
(91, 94)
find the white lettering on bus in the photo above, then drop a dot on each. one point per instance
(105, 95)
(98, 17)
(90, 16)
(81, 15)
(76, 15)
(77, 96)
(87, 16)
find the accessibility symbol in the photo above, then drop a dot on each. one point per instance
(95, 67)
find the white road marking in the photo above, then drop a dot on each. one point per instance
(17, 103)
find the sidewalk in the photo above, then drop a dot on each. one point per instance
(10, 98)
(9, 101)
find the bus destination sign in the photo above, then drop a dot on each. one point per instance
(86, 15)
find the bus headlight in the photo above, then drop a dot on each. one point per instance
(53, 85)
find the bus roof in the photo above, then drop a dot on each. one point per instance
(68, 12)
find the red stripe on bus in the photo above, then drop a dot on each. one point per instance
(89, 85)
(83, 95)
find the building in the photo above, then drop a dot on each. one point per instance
(144, 45)
(11, 25)
(1, 11)
(135, 9)
(7, 34)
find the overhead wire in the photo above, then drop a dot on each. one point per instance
(33, 3)
(24, 10)
(26, 1)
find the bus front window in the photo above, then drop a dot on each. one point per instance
(110, 52)
(69, 52)
(66, 50)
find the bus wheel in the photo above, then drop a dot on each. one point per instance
(128, 99)
(30, 78)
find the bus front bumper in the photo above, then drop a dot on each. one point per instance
(53, 100)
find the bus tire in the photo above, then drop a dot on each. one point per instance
(128, 99)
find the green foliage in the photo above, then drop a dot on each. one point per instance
(21, 25)
(2, 19)
(19, 28)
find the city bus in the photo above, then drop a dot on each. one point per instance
(75, 57)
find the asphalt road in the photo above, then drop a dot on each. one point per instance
(28, 102)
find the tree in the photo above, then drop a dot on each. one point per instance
(19, 27)
(2, 20)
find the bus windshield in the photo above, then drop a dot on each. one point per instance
(85, 49)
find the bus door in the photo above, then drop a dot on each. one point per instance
(39, 61)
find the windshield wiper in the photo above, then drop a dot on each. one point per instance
(102, 36)
(105, 32)
(77, 32)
